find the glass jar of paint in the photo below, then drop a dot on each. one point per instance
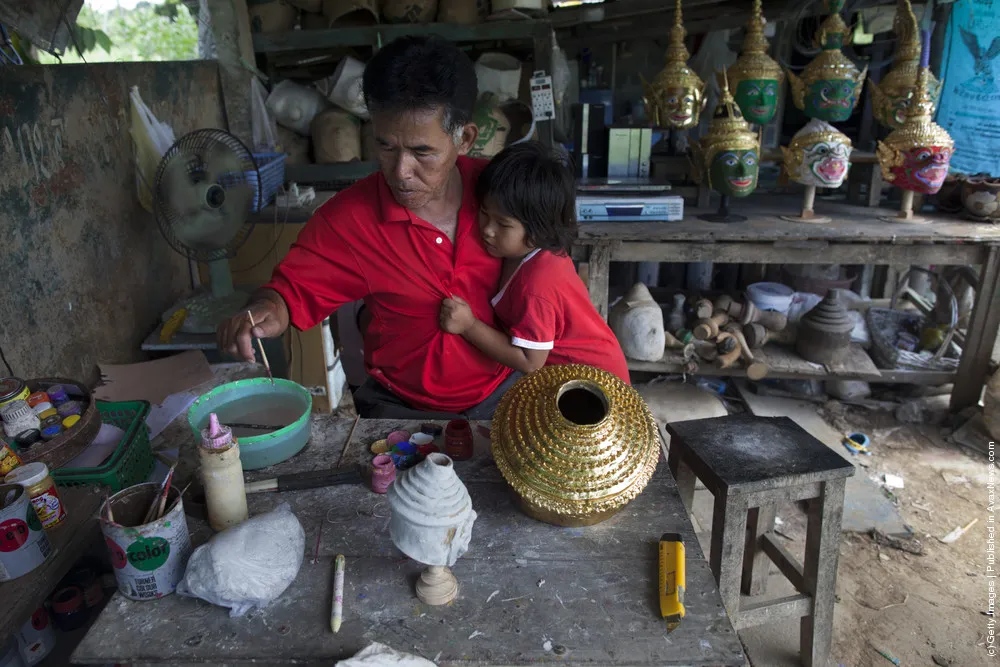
(17, 417)
(12, 389)
(57, 394)
(383, 473)
(9, 460)
(69, 408)
(42, 407)
(51, 427)
(69, 609)
(26, 439)
(70, 422)
(38, 397)
(458, 440)
(37, 481)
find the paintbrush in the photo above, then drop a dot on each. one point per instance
(166, 492)
(107, 506)
(151, 512)
(260, 346)
(179, 496)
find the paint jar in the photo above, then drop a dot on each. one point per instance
(35, 478)
(18, 416)
(380, 447)
(12, 389)
(396, 437)
(23, 544)
(458, 440)
(8, 459)
(88, 581)
(421, 439)
(431, 429)
(57, 395)
(70, 422)
(37, 637)
(148, 559)
(68, 608)
(37, 398)
(51, 427)
(222, 476)
(383, 473)
(10, 656)
(69, 408)
(47, 412)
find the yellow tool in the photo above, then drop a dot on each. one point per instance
(672, 579)
(171, 326)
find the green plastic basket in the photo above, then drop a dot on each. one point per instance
(131, 462)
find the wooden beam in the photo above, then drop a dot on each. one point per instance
(758, 613)
(234, 50)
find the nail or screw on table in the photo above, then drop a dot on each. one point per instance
(529, 592)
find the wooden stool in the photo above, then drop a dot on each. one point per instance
(750, 465)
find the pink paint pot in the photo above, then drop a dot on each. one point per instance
(397, 436)
(383, 473)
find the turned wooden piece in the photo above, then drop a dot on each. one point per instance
(757, 335)
(730, 306)
(707, 329)
(706, 350)
(437, 586)
(773, 320)
(727, 341)
(671, 341)
(756, 369)
(703, 309)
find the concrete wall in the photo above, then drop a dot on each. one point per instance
(84, 271)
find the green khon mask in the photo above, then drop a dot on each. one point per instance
(734, 173)
(831, 100)
(758, 99)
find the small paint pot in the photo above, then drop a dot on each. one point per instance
(397, 436)
(69, 408)
(26, 439)
(37, 398)
(427, 449)
(57, 394)
(52, 431)
(70, 422)
(383, 473)
(47, 413)
(12, 389)
(458, 440)
(431, 429)
(23, 544)
(44, 406)
(89, 583)
(420, 439)
(405, 448)
(37, 637)
(69, 608)
(380, 447)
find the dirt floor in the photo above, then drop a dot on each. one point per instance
(928, 609)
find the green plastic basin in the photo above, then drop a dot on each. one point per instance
(258, 451)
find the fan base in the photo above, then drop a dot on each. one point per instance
(205, 312)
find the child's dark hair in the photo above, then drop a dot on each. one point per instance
(533, 184)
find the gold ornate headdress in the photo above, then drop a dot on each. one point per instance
(754, 63)
(675, 72)
(918, 130)
(812, 133)
(830, 64)
(728, 131)
(905, 68)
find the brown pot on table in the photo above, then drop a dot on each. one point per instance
(824, 333)
(981, 198)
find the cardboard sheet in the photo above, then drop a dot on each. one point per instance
(153, 381)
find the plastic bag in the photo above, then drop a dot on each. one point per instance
(151, 139)
(248, 565)
(380, 655)
(265, 130)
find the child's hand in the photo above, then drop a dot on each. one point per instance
(456, 315)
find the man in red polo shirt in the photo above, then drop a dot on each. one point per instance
(402, 239)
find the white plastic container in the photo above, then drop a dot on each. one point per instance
(771, 296)
(222, 476)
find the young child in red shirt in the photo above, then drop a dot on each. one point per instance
(527, 217)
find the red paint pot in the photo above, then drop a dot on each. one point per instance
(68, 607)
(430, 448)
(458, 440)
(383, 473)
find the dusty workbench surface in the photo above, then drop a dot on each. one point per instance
(529, 592)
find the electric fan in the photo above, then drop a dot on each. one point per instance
(206, 186)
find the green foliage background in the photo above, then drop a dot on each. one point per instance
(152, 31)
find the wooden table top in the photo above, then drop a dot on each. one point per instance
(529, 592)
(849, 223)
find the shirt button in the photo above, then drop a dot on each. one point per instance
(439, 240)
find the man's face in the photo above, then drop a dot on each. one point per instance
(416, 155)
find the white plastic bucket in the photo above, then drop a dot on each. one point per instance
(771, 296)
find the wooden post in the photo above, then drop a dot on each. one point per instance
(599, 265)
(982, 334)
(234, 49)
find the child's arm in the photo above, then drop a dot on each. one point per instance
(457, 318)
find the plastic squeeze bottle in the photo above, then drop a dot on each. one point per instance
(222, 475)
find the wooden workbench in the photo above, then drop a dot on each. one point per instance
(529, 592)
(855, 235)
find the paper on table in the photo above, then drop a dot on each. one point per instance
(153, 381)
(172, 406)
(97, 452)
